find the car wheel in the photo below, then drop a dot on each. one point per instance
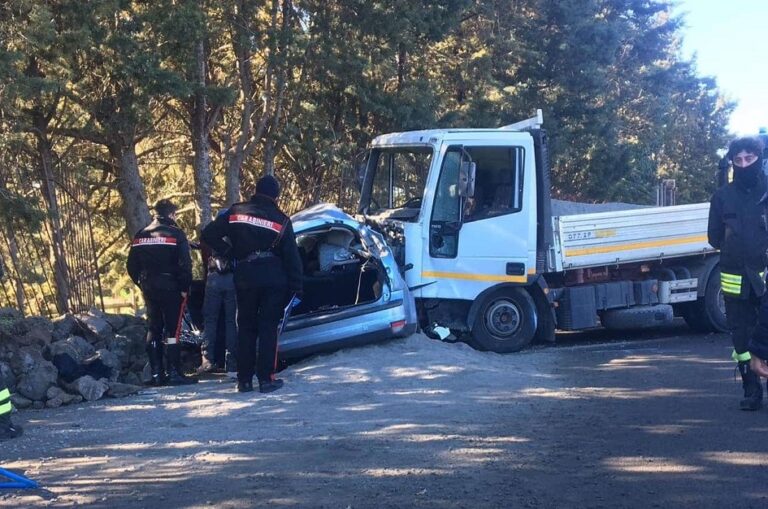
(505, 321)
(707, 314)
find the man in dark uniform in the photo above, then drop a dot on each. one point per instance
(737, 227)
(267, 270)
(159, 263)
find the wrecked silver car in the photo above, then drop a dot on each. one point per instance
(353, 290)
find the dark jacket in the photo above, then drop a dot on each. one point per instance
(263, 244)
(159, 257)
(737, 227)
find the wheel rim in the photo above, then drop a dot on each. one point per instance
(721, 301)
(503, 319)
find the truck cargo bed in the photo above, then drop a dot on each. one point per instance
(643, 234)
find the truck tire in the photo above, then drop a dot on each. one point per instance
(505, 321)
(707, 314)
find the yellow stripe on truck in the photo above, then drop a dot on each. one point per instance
(635, 245)
(476, 277)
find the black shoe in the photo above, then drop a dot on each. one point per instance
(244, 386)
(176, 378)
(158, 380)
(9, 430)
(751, 404)
(265, 387)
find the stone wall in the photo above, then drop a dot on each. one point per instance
(70, 359)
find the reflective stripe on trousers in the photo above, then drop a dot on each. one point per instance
(5, 402)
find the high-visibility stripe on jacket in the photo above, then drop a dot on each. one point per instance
(730, 283)
(741, 357)
(5, 402)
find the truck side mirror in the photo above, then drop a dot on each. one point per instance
(467, 172)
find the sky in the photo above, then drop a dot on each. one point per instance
(730, 41)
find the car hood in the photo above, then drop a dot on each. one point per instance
(322, 215)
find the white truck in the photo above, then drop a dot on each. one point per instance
(492, 257)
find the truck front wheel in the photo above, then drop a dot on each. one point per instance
(505, 321)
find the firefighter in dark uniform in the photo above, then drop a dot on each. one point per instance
(267, 270)
(737, 227)
(159, 262)
(7, 428)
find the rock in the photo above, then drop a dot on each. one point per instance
(117, 322)
(57, 397)
(35, 383)
(131, 378)
(96, 328)
(88, 388)
(131, 321)
(8, 349)
(76, 399)
(7, 378)
(53, 392)
(12, 327)
(128, 350)
(65, 326)
(39, 331)
(119, 390)
(25, 360)
(110, 360)
(38, 405)
(136, 333)
(75, 346)
(146, 373)
(20, 401)
(54, 403)
(11, 314)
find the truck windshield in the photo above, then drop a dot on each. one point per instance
(398, 178)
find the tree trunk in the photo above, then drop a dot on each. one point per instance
(18, 284)
(60, 268)
(130, 186)
(239, 152)
(200, 140)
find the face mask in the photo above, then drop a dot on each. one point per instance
(748, 175)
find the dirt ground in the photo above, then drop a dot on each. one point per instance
(607, 420)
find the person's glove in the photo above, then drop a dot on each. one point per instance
(759, 366)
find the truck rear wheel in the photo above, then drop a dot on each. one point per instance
(505, 321)
(707, 314)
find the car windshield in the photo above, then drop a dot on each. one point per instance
(399, 177)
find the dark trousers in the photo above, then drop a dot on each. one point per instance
(741, 315)
(259, 311)
(163, 312)
(220, 299)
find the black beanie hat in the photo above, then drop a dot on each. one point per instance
(165, 208)
(268, 186)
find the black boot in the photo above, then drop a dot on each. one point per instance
(270, 385)
(155, 355)
(176, 375)
(8, 429)
(753, 389)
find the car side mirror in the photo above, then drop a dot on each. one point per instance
(467, 172)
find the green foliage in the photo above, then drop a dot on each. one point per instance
(622, 106)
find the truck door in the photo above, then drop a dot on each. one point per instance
(487, 238)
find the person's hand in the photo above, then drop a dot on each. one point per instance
(183, 295)
(759, 366)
